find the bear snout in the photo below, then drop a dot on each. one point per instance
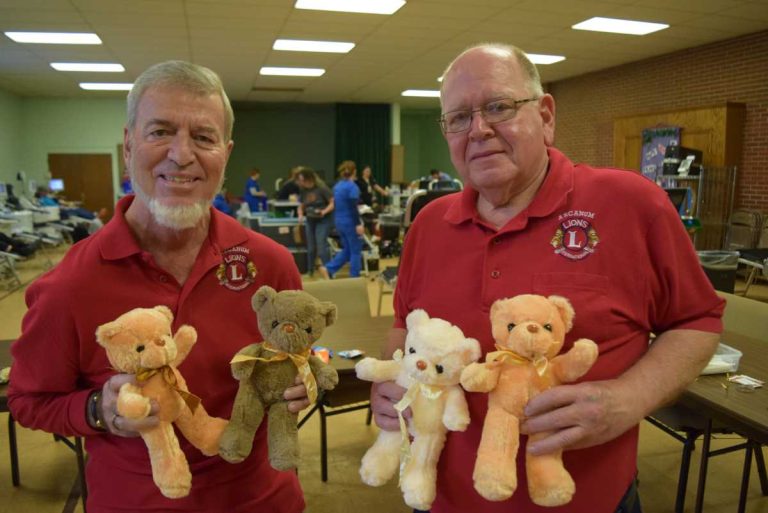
(289, 328)
(421, 365)
(532, 328)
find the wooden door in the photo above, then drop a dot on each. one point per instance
(87, 178)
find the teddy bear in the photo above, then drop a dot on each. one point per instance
(290, 322)
(435, 354)
(529, 331)
(141, 342)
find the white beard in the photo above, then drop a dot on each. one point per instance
(178, 217)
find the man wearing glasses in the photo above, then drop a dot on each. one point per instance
(531, 221)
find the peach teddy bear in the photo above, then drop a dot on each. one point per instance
(529, 331)
(140, 342)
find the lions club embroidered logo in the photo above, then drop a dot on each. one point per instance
(575, 237)
(236, 271)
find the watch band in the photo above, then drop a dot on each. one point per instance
(92, 412)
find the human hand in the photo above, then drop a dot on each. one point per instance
(359, 229)
(115, 423)
(296, 396)
(384, 396)
(579, 416)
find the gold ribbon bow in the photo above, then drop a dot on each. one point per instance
(429, 392)
(505, 355)
(166, 372)
(301, 361)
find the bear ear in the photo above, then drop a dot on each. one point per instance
(416, 318)
(330, 312)
(165, 311)
(472, 351)
(105, 332)
(565, 310)
(264, 294)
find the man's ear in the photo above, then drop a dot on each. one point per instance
(127, 147)
(547, 113)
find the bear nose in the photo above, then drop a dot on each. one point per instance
(532, 328)
(288, 328)
(421, 365)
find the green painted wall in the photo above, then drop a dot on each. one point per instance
(10, 136)
(276, 137)
(425, 147)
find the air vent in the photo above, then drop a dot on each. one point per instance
(278, 89)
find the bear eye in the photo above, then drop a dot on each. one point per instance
(411, 350)
(510, 326)
(548, 327)
(139, 348)
(308, 329)
(439, 369)
(274, 324)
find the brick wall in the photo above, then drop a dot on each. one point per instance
(734, 70)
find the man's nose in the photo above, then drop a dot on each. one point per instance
(479, 128)
(181, 151)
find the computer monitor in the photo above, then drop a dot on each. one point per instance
(679, 197)
(56, 185)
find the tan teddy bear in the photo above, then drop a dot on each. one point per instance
(140, 342)
(529, 331)
(290, 322)
(435, 354)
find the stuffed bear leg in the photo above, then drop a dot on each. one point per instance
(202, 430)
(170, 470)
(495, 472)
(549, 484)
(247, 413)
(283, 437)
(382, 459)
(420, 475)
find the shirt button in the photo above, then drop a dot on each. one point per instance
(495, 274)
(163, 278)
(496, 241)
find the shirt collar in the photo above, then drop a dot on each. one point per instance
(553, 193)
(118, 241)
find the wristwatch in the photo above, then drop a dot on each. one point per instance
(93, 413)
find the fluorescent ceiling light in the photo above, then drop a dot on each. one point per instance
(292, 72)
(105, 67)
(297, 45)
(538, 58)
(359, 6)
(55, 38)
(636, 28)
(439, 79)
(104, 86)
(425, 93)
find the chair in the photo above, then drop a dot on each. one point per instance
(278, 184)
(350, 295)
(747, 317)
(448, 185)
(743, 230)
(8, 273)
(419, 200)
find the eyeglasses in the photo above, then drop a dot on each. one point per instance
(492, 112)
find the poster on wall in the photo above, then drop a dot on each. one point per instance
(655, 142)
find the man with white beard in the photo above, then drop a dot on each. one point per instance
(165, 246)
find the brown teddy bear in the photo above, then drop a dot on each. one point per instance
(140, 342)
(529, 331)
(435, 354)
(290, 322)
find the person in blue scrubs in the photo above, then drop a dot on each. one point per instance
(254, 196)
(346, 195)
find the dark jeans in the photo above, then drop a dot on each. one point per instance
(630, 503)
(317, 230)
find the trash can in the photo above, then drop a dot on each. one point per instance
(720, 268)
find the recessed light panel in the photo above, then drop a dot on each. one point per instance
(55, 38)
(298, 45)
(617, 26)
(102, 67)
(292, 72)
(538, 58)
(357, 6)
(104, 86)
(424, 93)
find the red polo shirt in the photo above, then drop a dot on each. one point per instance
(57, 361)
(612, 243)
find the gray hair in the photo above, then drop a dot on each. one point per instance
(532, 77)
(184, 75)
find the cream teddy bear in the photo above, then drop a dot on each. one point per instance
(529, 331)
(140, 342)
(435, 354)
